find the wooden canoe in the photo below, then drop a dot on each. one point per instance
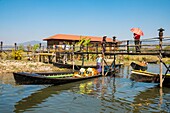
(137, 66)
(70, 66)
(144, 76)
(48, 78)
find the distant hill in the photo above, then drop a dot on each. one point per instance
(33, 42)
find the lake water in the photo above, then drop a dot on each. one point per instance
(98, 95)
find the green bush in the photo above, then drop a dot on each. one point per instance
(17, 54)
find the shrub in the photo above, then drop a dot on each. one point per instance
(17, 54)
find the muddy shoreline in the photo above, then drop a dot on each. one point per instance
(10, 66)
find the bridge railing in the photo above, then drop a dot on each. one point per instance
(125, 46)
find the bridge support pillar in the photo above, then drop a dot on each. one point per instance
(160, 53)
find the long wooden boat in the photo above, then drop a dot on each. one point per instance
(48, 78)
(137, 66)
(70, 66)
(77, 67)
(144, 76)
(152, 61)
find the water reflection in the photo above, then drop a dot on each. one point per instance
(152, 98)
(7, 78)
(102, 88)
(101, 95)
(40, 96)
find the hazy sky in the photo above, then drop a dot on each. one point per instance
(26, 20)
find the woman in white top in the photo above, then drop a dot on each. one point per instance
(99, 61)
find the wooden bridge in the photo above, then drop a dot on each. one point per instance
(159, 46)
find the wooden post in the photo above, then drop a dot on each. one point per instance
(82, 60)
(49, 57)
(160, 53)
(1, 50)
(39, 58)
(96, 47)
(43, 58)
(73, 56)
(1, 45)
(127, 46)
(39, 47)
(110, 49)
(56, 57)
(15, 44)
(114, 42)
(114, 63)
(161, 96)
(55, 52)
(87, 52)
(103, 52)
(114, 39)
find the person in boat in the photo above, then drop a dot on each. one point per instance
(137, 42)
(91, 72)
(99, 62)
(144, 63)
(80, 73)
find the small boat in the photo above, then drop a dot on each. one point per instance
(48, 78)
(144, 76)
(139, 66)
(152, 61)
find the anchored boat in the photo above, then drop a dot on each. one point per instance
(77, 67)
(144, 76)
(48, 78)
(139, 66)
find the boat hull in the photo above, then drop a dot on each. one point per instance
(136, 66)
(41, 78)
(143, 76)
(77, 67)
(70, 66)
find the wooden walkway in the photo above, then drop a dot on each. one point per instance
(159, 46)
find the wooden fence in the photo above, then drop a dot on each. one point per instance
(147, 46)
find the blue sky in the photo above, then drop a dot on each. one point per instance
(26, 20)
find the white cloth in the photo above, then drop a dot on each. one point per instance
(99, 60)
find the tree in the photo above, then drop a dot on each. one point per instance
(35, 47)
(83, 41)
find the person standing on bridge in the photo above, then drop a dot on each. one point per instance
(137, 42)
(137, 33)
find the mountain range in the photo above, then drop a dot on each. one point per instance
(33, 42)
